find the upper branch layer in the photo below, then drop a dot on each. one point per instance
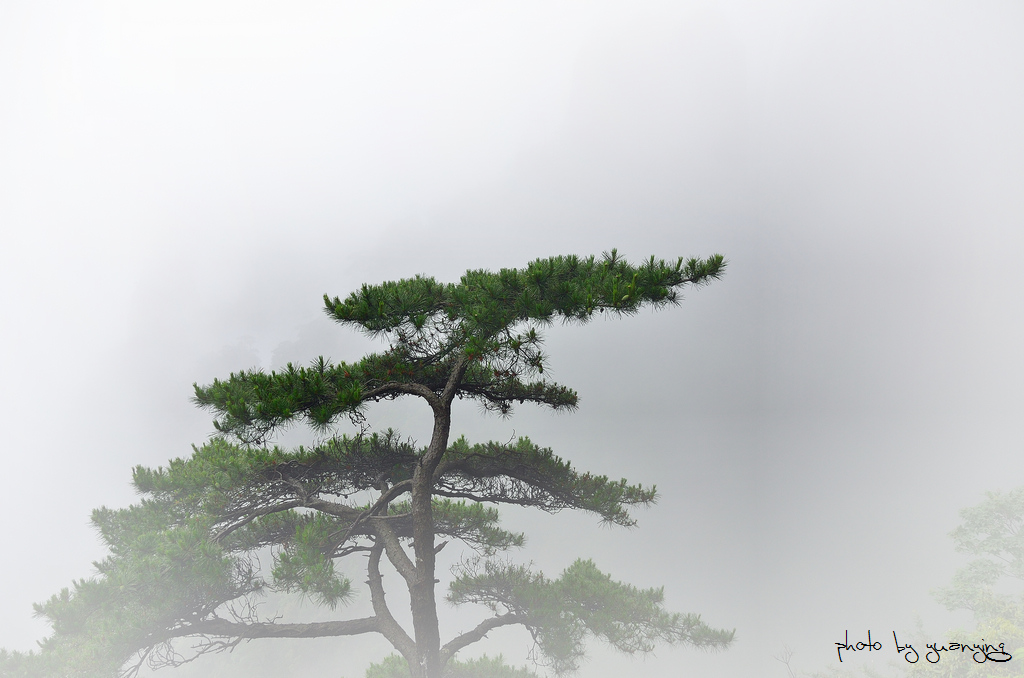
(490, 319)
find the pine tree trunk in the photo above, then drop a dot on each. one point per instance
(421, 593)
(416, 670)
(424, 606)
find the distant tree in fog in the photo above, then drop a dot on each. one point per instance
(990, 587)
(184, 561)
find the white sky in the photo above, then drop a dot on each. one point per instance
(181, 182)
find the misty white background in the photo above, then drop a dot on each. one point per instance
(181, 182)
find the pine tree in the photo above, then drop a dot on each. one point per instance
(183, 562)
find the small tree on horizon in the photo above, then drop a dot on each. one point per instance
(184, 561)
(989, 586)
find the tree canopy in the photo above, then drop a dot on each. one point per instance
(185, 561)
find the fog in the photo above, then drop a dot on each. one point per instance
(180, 183)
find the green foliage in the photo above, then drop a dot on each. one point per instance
(993, 532)
(163, 570)
(490, 319)
(476, 525)
(562, 612)
(192, 544)
(392, 666)
(487, 303)
(529, 475)
(305, 563)
(222, 472)
(225, 479)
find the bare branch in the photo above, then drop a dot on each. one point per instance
(223, 628)
(389, 628)
(396, 554)
(378, 505)
(481, 630)
(395, 387)
(455, 379)
(333, 508)
(254, 515)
